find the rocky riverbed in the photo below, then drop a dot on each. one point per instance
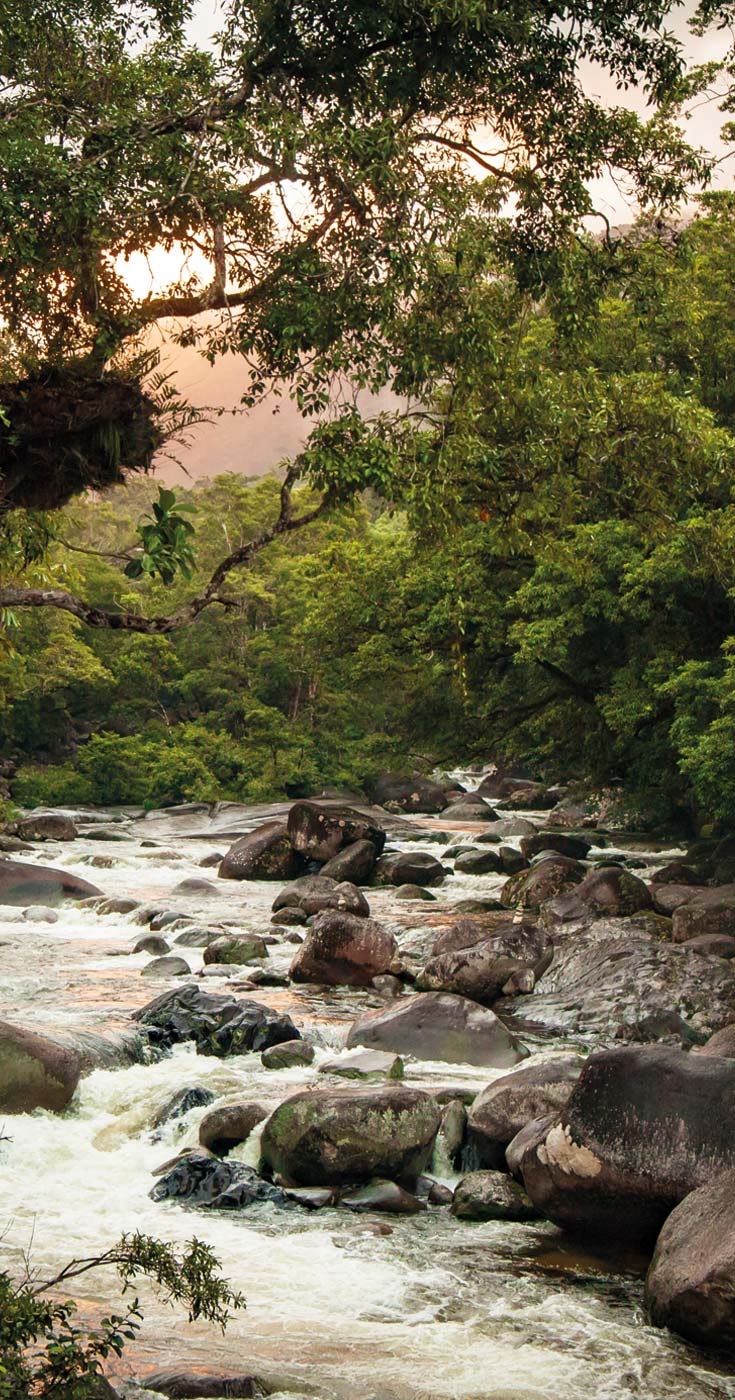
(359, 1290)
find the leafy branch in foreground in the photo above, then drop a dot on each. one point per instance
(44, 1354)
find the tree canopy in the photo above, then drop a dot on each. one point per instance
(302, 164)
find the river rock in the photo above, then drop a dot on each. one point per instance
(576, 847)
(474, 862)
(22, 882)
(354, 863)
(492, 1196)
(721, 1044)
(193, 885)
(238, 950)
(228, 1125)
(609, 890)
(709, 911)
(116, 905)
(505, 1107)
(314, 893)
(287, 1054)
(218, 1024)
(524, 940)
(668, 898)
(480, 973)
(153, 944)
(204, 1180)
(386, 1196)
(318, 833)
(343, 950)
(289, 917)
(676, 872)
(265, 854)
(529, 1138)
(181, 1103)
(714, 945)
(372, 1065)
(46, 826)
(414, 892)
(408, 868)
(529, 889)
(179, 1385)
(168, 966)
(643, 1127)
(438, 1026)
(470, 809)
(327, 1136)
(35, 1072)
(690, 1286)
(414, 794)
(609, 983)
(40, 914)
(511, 860)
(196, 936)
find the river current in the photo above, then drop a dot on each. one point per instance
(339, 1306)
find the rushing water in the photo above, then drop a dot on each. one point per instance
(393, 1308)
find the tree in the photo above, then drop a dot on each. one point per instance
(306, 165)
(42, 1351)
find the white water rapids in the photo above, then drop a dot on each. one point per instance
(436, 1308)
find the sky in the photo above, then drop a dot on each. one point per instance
(255, 442)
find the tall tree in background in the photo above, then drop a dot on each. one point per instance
(306, 165)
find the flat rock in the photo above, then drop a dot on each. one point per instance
(371, 1065)
(438, 1026)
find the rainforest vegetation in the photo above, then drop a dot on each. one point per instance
(531, 557)
(546, 575)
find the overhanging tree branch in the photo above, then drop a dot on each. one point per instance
(116, 620)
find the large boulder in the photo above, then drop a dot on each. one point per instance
(313, 893)
(201, 1179)
(643, 1127)
(34, 1072)
(318, 833)
(529, 889)
(355, 863)
(343, 950)
(523, 940)
(438, 1026)
(615, 980)
(23, 883)
(610, 890)
(721, 1044)
(408, 868)
(709, 911)
(219, 1025)
(576, 847)
(265, 854)
(327, 1136)
(505, 1107)
(690, 1285)
(414, 794)
(479, 972)
(46, 826)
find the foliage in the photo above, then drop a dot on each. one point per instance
(166, 539)
(44, 1353)
(303, 167)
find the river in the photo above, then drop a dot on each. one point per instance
(340, 1307)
